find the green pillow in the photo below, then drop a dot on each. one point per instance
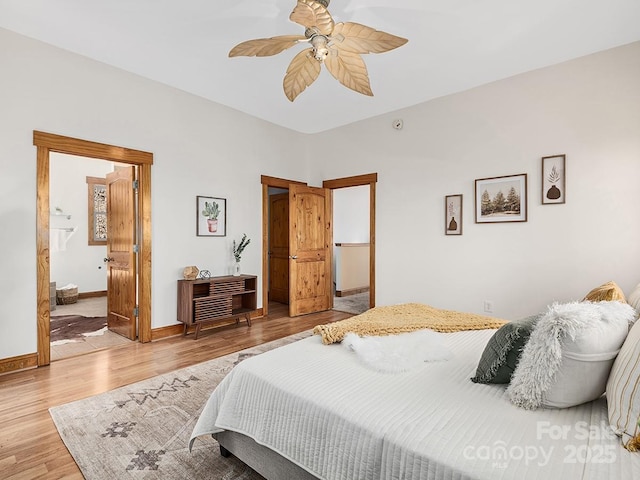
(501, 355)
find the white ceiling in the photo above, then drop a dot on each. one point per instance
(453, 45)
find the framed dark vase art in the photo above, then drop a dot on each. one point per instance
(453, 215)
(553, 179)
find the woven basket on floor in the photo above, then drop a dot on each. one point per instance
(66, 296)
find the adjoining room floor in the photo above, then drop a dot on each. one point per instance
(355, 304)
(88, 307)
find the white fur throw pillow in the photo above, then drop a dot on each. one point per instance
(569, 354)
(398, 353)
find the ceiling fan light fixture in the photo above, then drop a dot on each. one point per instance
(338, 46)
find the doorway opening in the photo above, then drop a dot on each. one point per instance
(355, 286)
(351, 249)
(275, 247)
(78, 252)
(46, 144)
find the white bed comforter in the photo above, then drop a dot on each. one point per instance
(318, 406)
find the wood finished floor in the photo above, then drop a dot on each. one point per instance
(30, 447)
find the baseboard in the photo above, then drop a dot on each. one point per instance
(351, 291)
(20, 362)
(165, 332)
(100, 293)
(178, 329)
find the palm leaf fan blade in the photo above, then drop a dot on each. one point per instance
(265, 47)
(358, 38)
(310, 13)
(302, 72)
(349, 69)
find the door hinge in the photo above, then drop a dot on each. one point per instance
(135, 311)
(136, 249)
(136, 184)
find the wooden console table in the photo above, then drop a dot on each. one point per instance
(216, 299)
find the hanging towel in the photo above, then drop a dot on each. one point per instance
(58, 238)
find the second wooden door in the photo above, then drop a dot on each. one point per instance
(310, 254)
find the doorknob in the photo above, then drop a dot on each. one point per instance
(293, 257)
(107, 259)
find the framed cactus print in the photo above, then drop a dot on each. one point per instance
(211, 215)
(453, 214)
(501, 199)
(553, 179)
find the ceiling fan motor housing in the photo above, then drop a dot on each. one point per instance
(319, 44)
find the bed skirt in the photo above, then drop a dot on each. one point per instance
(263, 460)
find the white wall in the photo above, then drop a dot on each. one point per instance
(79, 263)
(351, 215)
(199, 147)
(588, 109)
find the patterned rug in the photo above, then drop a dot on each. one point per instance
(142, 430)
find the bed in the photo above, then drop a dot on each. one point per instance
(310, 410)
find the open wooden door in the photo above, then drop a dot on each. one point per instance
(310, 254)
(279, 248)
(120, 259)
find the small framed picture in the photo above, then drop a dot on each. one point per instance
(211, 216)
(501, 199)
(453, 214)
(553, 179)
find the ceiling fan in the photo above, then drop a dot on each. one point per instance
(337, 45)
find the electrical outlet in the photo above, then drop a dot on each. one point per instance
(488, 306)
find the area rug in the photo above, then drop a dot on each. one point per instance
(142, 430)
(71, 327)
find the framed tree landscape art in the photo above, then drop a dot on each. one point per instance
(211, 214)
(501, 199)
(453, 215)
(553, 179)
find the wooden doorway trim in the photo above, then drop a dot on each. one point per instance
(357, 181)
(267, 182)
(47, 143)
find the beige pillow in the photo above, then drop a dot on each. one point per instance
(607, 292)
(623, 389)
(634, 298)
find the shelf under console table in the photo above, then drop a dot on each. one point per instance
(216, 299)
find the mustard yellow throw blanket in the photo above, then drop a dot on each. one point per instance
(406, 317)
